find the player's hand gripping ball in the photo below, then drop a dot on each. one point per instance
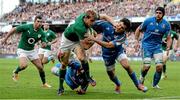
(86, 43)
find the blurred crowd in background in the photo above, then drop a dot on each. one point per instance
(68, 11)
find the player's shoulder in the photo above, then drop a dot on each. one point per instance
(41, 31)
(165, 22)
(150, 19)
(101, 22)
(80, 28)
(25, 25)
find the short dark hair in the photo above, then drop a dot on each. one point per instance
(127, 23)
(37, 17)
(161, 9)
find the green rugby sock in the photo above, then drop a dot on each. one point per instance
(18, 69)
(62, 74)
(42, 75)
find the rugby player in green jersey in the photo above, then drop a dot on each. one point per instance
(175, 37)
(45, 53)
(71, 38)
(31, 34)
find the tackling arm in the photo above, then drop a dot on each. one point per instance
(102, 43)
(52, 42)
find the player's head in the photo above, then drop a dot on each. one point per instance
(160, 12)
(46, 26)
(74, 63)
(123, 25)
(90, 17)
(38, 21)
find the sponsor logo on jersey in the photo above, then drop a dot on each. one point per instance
(151, 23)
(107, 28)
(156, 30)
(163, 26)
(29, 32)
(155, 33)
(31, 40)
(39, 35)
(48, 34)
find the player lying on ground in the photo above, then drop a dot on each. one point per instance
(75, 75)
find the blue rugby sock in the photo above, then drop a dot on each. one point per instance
(134, 78)
(116, 81)
(113, 78)
(157, 77)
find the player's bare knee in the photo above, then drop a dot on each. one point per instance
(159, 67)
(146, 68)
(82, 59)
(126, 66)
(128, 69)
(44, 61)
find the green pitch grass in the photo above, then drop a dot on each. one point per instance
(29, 84)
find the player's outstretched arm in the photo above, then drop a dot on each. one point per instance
(54, 41)
(177, 42)
(137, 33)
(101, 43)
(13, 30)
(169, 42)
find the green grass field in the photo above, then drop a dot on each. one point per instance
(29, 84)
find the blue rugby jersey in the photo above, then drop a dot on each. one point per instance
(153, 32)
(75, 77)
(72, 77)
(109, 35)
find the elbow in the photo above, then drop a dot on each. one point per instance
(109, 46)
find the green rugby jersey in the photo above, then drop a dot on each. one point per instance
(50, 36)
(76, 30)
(29, 36)
(174, 35)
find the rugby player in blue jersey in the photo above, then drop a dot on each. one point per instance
(75, 76)
(112, 50)
(154, 29)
